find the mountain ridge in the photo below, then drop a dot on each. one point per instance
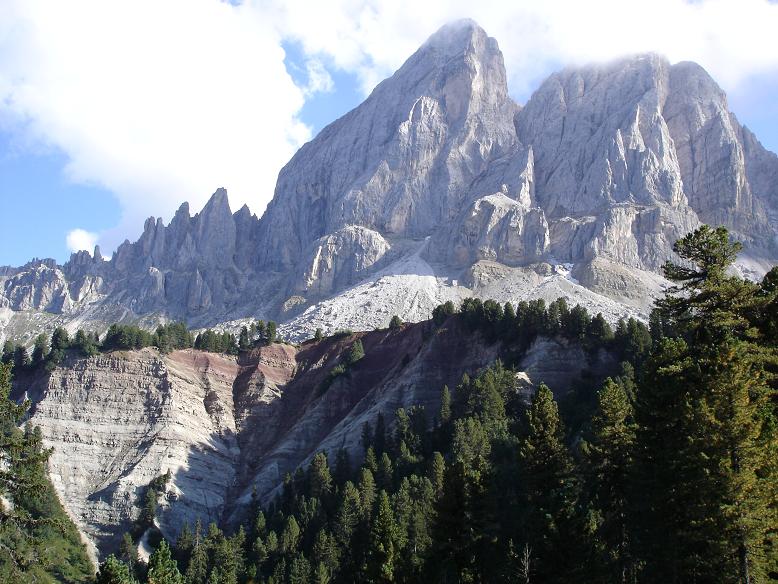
(603, 168)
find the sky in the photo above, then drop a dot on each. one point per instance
(112, 111)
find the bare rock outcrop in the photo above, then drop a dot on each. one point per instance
(605, 166)
(226, 428)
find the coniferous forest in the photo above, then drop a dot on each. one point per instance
(664, 473)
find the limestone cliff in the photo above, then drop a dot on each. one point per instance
(598, 174)
(225, 427)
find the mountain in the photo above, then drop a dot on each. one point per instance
(439, 187)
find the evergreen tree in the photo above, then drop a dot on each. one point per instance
(319, 477)
(384, 477)
(197, 570)
(610, 466)
(21, 358)
(599, 329)
(299, 570)
(395, 323)
(445, 405)
(356, 352)
(382, 551)
(271, 331)
(114, 571)
(148, 512)
(342, 467)
(549, 490)
(128, 554)
(244, 344)
(40, 350)
(710, 500)
(8, 352)
(437, 472)
(162, 567)
(367, 492)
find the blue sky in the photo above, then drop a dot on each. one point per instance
(99, 130)
(40, 204)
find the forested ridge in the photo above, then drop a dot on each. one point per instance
(663, 473)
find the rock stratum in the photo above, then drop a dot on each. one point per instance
(226, 427)
(437, 179)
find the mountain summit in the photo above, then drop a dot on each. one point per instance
(438, 186)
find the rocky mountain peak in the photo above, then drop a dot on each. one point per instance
(438, 177)
(400, 163)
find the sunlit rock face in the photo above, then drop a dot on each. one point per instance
(227, 429)
(604, 168)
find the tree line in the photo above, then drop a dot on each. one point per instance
(48, 352)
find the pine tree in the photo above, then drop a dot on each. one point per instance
(342, 467)
(710, 501)
(290, 536)
(549, 490)
(244, 343)
(162, 567)
(445, 405)
(367, 492)
(40, 349)
(271, 331)
(382, 551)
(385, 475)
(128, 553)
(437, 472)
(356, 352)
(319, 477)
(299, 570)
(114, 571)
(148, 512)
(609, 454)
(599, 329)
(395, 323)
(348, 515)
(8, 352)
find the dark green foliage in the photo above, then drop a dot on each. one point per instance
(270, 335)
(38, 542)
(215, 342)
(441, 312)
(356, 352)
(114, 571)
(162, 567)
(88, 344)
(395, 323)
(708, 402)
(40, 350)
(8, 353)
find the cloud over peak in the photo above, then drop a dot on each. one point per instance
(160, 102)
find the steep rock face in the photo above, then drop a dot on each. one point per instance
(498, 228)
(228, 427)
(711, 154)
(340, 259)
(119, 420)
(400, 162)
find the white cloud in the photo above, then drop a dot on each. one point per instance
(319, 79)
(162, 101)
(158, 101)
(80, 239)
(733, 39)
